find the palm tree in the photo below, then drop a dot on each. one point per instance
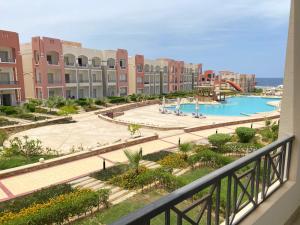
(185, 148)
(134, 159)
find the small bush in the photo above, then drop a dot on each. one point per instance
(268, 122)
(129, 179)
(6, 122)
(100, 102)
(211, 158)
(174, 161)
(156, 156)
(66, 110)
(218, 140)
(3, 137)
(241, 147)
(9, 110)
(245, 134)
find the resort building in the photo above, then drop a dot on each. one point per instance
(83, 71)
(136, 74)
(44, 66)
(161, 76)
(147, 76)
(11, 70)
(64, 68)
(191, 74)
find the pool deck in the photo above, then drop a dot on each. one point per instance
(151, 114)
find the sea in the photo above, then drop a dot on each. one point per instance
(268, 82)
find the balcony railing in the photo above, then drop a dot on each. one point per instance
(69, 64)
(226, 195)
(7, 60)
(9, 82)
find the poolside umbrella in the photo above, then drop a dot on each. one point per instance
(197, 107)
(164, 103)
(178, 105)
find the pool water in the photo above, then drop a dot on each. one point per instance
(233, 106)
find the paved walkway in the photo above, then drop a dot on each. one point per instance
(29, 182)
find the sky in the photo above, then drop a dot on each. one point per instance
(246, 36)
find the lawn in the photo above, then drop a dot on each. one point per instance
(19, 160)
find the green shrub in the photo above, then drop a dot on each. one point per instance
(116, 99)
(245, 134)
(218, 140)
(3, 137)
(66, 110)
(41, 110)
(9, 110)
(176, 160)
(129, 179)
(241, 147)
(132, 180)
(268, 122)
(101, 102)
(31, 117)
(43, 195)
(211, 158)
(156, 156)
(6, 122)
(185, 148)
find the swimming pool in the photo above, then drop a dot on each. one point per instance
(233, 106)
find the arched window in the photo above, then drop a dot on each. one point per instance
(82, 61)
(69, 60)
(111, 63)
(96, 62)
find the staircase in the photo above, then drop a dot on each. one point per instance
(116, 195)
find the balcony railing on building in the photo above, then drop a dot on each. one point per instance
(8, 82)
(7, 60)
(226, 195)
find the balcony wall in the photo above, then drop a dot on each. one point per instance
(279, 208)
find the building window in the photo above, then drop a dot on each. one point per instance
(123, 91)
(111, 63)
(123, 63)
(50, 78)
(139, 80)
(139, 68)
(123, 77)
(111, 77)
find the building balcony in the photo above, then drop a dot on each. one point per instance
(9, 82)
(82, 65)
(69, 64)
(7, 60)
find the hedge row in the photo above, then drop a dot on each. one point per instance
(58, 209)
(15, 205)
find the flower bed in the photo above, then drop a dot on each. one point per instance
(58, 209)
(15, 205)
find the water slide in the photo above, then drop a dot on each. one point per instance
(234, 85)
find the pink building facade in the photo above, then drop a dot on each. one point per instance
(122, 72)
(48, 67)
(11, 70)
